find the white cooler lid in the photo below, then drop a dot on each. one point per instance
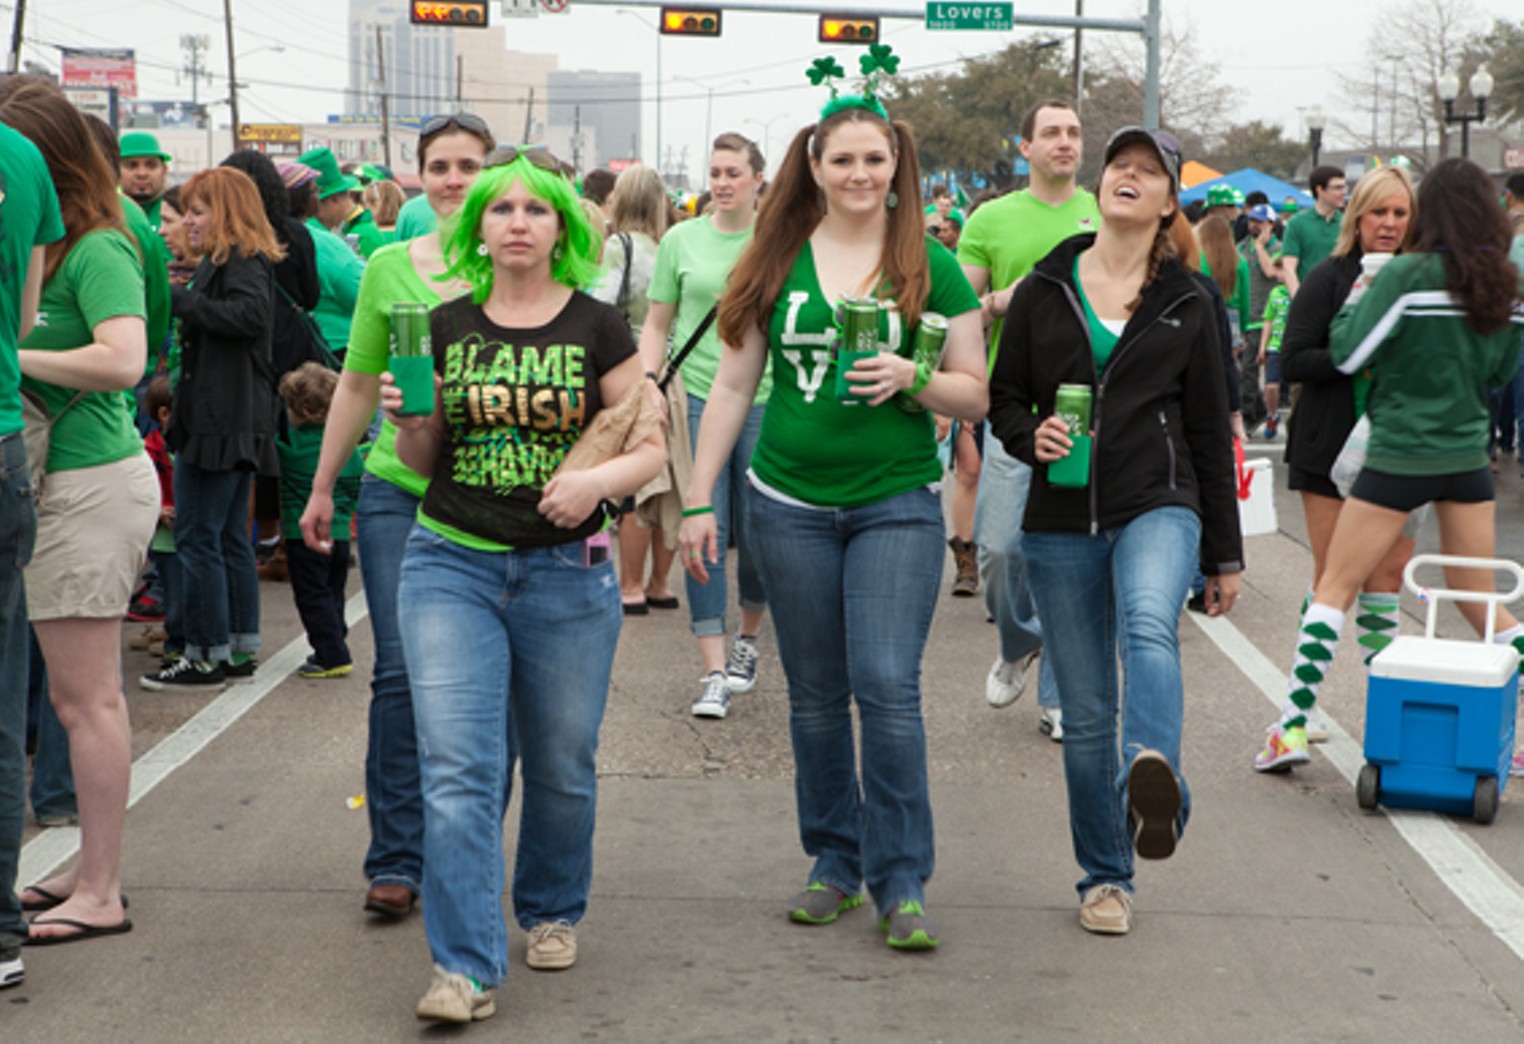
(1443, 660)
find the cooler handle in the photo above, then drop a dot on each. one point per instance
(1432, 596)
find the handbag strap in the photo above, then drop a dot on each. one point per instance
(627, 242)
(693, 340)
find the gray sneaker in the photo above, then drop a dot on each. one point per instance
(714, 701)
(741, 668)
(909, 927)
(821, 904)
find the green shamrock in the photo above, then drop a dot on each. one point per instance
(879, 57)
(824, 69)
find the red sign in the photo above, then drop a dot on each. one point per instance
(101, 67)
(1513, 159)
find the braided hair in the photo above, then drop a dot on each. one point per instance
(1162, 250)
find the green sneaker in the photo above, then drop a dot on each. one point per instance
(909, 927)
(821, 904)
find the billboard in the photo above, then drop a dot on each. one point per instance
(101, 67)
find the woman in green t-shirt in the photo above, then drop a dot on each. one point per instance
(451, 150)
(845, 518)
(97, 509)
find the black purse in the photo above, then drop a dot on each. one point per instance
(318, 349)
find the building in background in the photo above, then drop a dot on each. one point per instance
(598, 114)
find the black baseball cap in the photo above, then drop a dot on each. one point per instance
(1165, 145)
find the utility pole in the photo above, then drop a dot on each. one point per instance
(460, 80)
(529, 117)
(576, 142)
(13, 62)
(386, 123)
(196, 46)
(1079, 60)
(227, 21)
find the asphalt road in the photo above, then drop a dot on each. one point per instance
(1287, 910)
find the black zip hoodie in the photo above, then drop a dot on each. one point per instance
(1159, 413)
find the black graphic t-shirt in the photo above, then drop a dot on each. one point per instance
(515, 401)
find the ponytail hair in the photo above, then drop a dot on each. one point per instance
(1163, 249)
(794, 206)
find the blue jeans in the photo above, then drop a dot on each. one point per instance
(502, 645)
(1132, 580)
(52, 792)
(706, 602)
(393, 798)
(853, 592)
(219, 581)
(18, 534)
(1003, 485)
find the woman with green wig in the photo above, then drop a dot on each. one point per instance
(512, 604)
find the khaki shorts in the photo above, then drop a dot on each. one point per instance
(93, 530)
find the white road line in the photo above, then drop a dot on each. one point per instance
(50, 849)
(1459, 862)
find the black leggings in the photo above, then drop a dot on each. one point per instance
(1408, 492)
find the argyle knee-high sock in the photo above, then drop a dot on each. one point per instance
(1315, 646)
(1306, 601)
(1375, 622)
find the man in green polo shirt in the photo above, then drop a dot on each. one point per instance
(144, 172)
(1312, 234)
(1003, 239)
(29, 220)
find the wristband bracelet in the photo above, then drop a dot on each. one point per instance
(707, 509)
(923, 375)
(652, 374)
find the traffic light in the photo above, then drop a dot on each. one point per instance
(690, 21)
(455, 13)
(848, 29)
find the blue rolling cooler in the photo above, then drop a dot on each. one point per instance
(1439, 713)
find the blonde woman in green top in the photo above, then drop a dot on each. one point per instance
(451, 151)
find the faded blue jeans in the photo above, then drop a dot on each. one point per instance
(706, 602)
(1130, 579)
(393, 801)
(852, 592)
(1003, 485)
(18, 534)
(503, 645)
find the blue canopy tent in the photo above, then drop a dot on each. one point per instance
(1250, 180)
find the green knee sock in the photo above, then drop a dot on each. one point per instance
(1375, 623)
(1316, 642)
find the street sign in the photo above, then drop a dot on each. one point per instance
(556, 6)
(1513, 159)
(520, 9)
(100, 67)
(998, 17)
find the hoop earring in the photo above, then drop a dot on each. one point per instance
(481, 250)
(892, 200)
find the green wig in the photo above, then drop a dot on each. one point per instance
(577, 246)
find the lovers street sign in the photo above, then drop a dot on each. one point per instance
(940, 14)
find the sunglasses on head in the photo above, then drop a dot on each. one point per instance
(935, 230)
(535, 154)
(464, 120)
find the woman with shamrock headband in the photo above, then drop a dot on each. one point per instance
(845, 518)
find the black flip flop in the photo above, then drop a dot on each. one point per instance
(662, 603)
(50, 900)
(636, 609)
(86, 931)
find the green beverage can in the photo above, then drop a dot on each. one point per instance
(412, 358)
(1072, 404)
(927, 346)
(858, 319)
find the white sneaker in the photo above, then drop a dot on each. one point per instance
(1317, 727)
(454, 998)
(714, 701)
(1007, 679)
(12, 971)
(1051, 724)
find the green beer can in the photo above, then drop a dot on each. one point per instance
(927, 346)
(412, 358)
(1072, 405)
(858, 319)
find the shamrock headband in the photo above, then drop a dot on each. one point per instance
(877, 65)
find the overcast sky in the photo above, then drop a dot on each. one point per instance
(1285, 55)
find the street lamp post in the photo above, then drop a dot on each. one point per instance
(767, 128)
(657, 30)
(1449, 89)
(1316, 121)
(709, 111)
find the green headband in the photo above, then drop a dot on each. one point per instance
(877, 65)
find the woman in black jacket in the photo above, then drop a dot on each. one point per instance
(1117, 314)
(222, 427)
(1377, 220)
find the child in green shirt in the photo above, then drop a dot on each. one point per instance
(1277, 307)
